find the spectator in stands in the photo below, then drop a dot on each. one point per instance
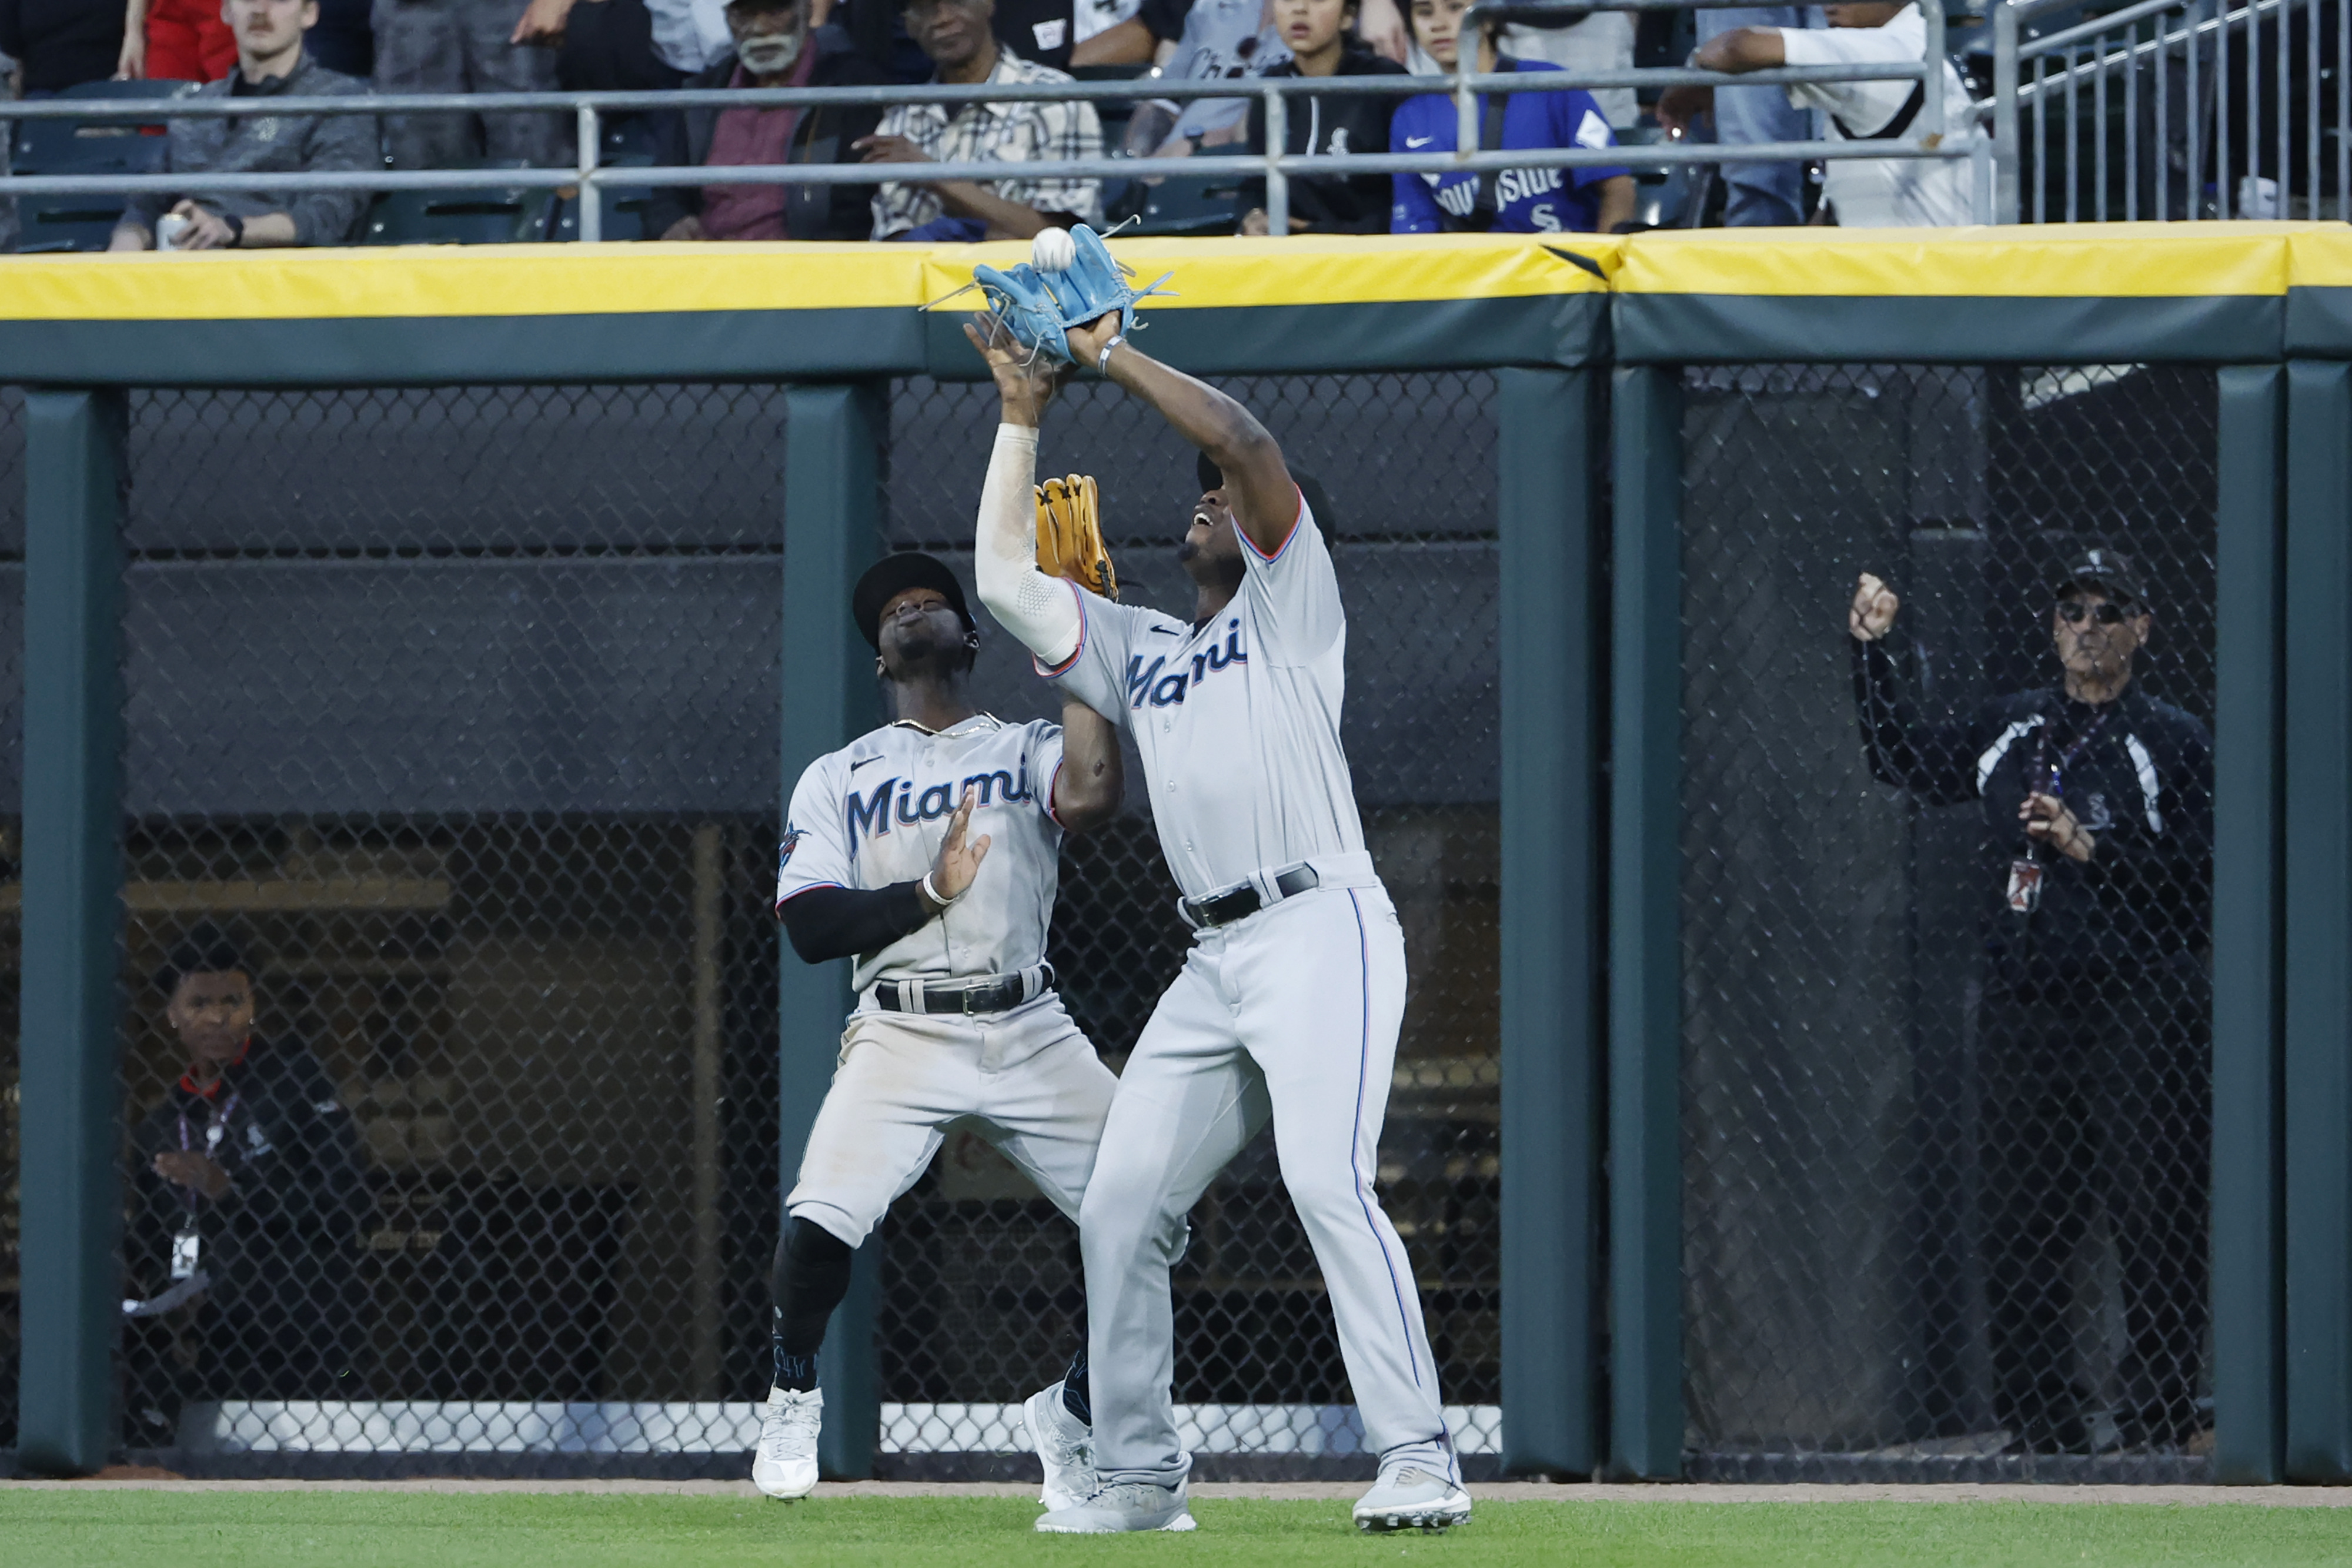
(465, 45)
(1516, 200)
(1877, 193)
(626, 45)
(271, 62)
(175, 40)
(2094, 1039)
(956, 35)
(59, 44)
(775, 46)
(1756, 195)
(1322, 37)
(248, 1202)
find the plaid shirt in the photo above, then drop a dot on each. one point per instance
(1002, 133)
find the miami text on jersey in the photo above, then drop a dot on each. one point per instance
(1145, 682)
(872, 814)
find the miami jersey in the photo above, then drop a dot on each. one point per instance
(1237, 721)
(875, 812)
(1527, 201)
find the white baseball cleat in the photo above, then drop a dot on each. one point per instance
(785, 1466)
(1116, 1510)
(1065, 1447)
(1411, 1499)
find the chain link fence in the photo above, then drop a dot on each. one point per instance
(453, 713)
(1946, 1159)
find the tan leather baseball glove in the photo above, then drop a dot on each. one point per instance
(1069, 535)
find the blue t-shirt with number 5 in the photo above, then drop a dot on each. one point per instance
(1527, 201)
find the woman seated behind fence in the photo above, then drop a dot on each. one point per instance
(1323, 42)
(1513, 200)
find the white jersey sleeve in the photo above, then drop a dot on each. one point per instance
(1041, 752)
(1296, 593)
(816, 851)
(1096, 672)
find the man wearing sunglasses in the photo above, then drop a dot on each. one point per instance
(2093, 1034)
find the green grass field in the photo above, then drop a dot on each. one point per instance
(410, 1530)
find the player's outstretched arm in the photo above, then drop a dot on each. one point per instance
(1257, 483)
(1038, 609)
(1087, 790)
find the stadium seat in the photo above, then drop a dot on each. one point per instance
(70, 222)
(1669, 197)
(517, 214)
(624, 208)
(1182, 206)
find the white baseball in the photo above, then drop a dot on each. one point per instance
(1053, 250)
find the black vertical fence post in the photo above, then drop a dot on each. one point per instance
(72, 915)
(832, 496)
(1646, 928)
(2319, 918)
(1550, 804)
(2249, 1200)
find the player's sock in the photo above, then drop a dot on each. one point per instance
(810, 1278)
(1077, 1393)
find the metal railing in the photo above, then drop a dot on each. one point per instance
(589, 176)
(2173, 109)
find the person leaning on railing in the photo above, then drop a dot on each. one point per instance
(1513, 200)
(1860, 192)
(774, 47)
(270, 63)
(1321, 35)
(2093, 1027)
(956, 35)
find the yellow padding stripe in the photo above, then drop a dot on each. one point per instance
(2107, 261)
(2320, 255)
(2088, 260)
(1321, 269)
(430, 281)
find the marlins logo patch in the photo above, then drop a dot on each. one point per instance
(792, 837)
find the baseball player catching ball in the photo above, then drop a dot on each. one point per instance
(928, 850)
(1289, 1000)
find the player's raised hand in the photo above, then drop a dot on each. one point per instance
(1872, 610)
(1026, 381)
(958, 861)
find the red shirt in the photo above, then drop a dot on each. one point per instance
(750, 136)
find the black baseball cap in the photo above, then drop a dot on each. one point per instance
(2110, 571)
(892, 576)
(1318, 500)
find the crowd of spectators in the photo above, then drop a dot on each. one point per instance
(331, 47)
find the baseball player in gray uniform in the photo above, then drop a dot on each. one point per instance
(1289, 1001)
(929, 851)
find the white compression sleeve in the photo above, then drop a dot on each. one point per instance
(1038, 609)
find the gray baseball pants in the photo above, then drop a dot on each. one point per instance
(1293, 1014)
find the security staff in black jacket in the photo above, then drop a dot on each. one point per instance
(249, 1197)
(2094, 1037)
(1321, 35)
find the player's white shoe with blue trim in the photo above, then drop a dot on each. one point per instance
(1065, 1447)
(1410, 1498)
(1118, 1509)
(785, 1465)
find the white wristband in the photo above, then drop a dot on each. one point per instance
(931, 892)
(1102, 360)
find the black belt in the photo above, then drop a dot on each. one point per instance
(990, 994)
(1243, 899)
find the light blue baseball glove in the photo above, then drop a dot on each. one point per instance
(1040, 307)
